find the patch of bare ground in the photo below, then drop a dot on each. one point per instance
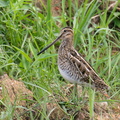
(13, 92)
(102, 110)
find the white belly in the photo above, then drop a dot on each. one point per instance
(71, 79)
(66, 76)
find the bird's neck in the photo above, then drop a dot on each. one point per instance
(66, 45)
(67, 42)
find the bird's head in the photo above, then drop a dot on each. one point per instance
(66, 31)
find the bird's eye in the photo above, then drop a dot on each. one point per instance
(65, 30)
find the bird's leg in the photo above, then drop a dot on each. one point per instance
(75, 94)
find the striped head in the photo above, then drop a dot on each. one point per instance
(64, 33)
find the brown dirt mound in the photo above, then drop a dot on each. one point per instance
(14, 92)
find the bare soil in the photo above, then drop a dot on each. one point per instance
(15, 92)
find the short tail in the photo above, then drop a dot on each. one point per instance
(102, 87)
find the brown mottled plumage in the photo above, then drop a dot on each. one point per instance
(73, 67)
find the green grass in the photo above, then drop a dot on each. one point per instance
(24, 32)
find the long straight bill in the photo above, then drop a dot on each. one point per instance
(50, 45)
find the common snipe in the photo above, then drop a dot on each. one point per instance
(73, 67)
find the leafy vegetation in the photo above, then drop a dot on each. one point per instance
(24, 31)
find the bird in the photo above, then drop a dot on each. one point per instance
(73, 67)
